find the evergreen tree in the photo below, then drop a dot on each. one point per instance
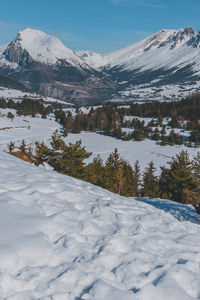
(177, 178)
(69, 122)
(156, 134)
(150, 186)
(56, 141)
(164, 140)
(41, 152)
(136, 179)
(118, 175)
(76, 127)
(95, 172)
(72, 160)
(113, 164)
(22, 147)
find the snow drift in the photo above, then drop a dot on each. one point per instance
(61, 238)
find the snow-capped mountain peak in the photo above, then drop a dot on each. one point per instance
(38, 46)
(170, 38)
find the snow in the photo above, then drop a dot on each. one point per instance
(42, 129)
(19, 95)
(45, 48)
(144, 151)
(12, 93)
(61, 238)
(93, 59)
(18, 129)
(166, 48)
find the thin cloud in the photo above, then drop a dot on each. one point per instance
(144, 3)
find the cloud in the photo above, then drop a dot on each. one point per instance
(144, 3)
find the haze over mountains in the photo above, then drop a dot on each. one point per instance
(164, 66)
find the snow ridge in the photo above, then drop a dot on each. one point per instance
(166, 48)
(61, 238)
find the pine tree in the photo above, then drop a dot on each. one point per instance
(177, 178)
(41, 152)
(22, 147)
(56, 141)
(120, 179)
(164, 140)
(72, 161)
(76, 127)
(30, 153)
(156, 134)
(69, 122)
(118, 175)
(112, 165)
(150, 187)
(95, 172)
(196, 168)
(136, 179)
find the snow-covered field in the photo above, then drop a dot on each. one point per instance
(42, 129)
(18, 95)
(144, 151)
(61, 238)
(27, 128)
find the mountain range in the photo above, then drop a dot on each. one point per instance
(164, 66)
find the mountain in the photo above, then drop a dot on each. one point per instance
(61, 238)
(164, 65)
(45, 65)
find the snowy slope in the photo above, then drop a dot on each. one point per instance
(164, 66)
(44, 48)
(95, 60)
(61, 238)
(167, 48)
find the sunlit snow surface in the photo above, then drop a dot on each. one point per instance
(61, 238)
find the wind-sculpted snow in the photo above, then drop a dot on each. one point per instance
(61, 238)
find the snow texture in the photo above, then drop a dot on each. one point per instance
(46, 48)
(61, 238)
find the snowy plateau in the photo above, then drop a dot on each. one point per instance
(163, 66)
(65, 239)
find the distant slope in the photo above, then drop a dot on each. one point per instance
(61, 238)
(163, 66)
(12, 84)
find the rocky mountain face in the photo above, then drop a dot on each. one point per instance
(45, 65)
(163, 66)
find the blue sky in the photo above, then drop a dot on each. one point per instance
(98, 25)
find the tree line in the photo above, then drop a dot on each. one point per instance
(27, 107)
(179, 181)
(109, 120)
